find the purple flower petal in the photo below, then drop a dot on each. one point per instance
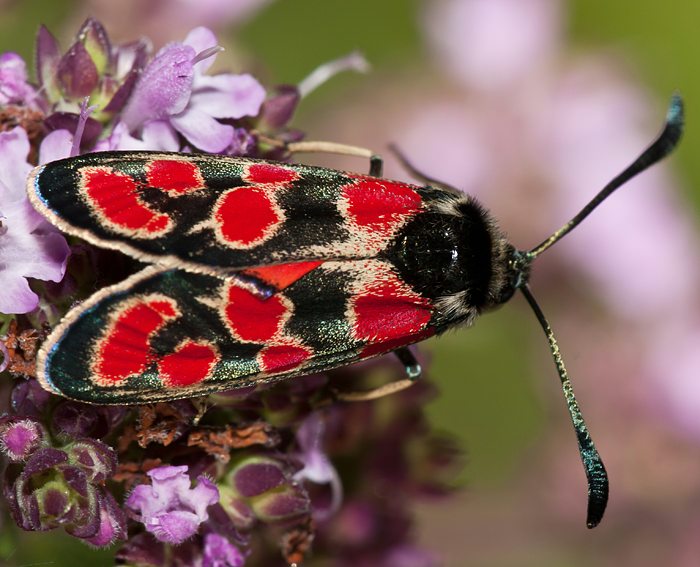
(14, 148)
(201, 39)
(170, 508)
(56, 145)
(318, 468)
(228, 96)
(160, 135)
(173, 527)
(354, 61)
(219, 552)
(155, 135)
(20, 437)
(71, 121)
(112, 523)
(29, 246)
(16, 296)
(48, 55)
(278, 110)
(14, 88)
(164, 87)
(199, 498)
(77, 72)
(203, 131)
(29, 398)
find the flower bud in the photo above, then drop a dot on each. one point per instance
(20, 437)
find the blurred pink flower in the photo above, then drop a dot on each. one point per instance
(490, 44)
(14, 87)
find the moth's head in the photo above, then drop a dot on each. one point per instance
(511, 271)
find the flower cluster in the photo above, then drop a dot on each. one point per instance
(262, 474)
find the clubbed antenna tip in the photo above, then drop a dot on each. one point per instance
(664, 144)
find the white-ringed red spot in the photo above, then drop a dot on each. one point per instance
(378, 207)
(245, 217)
(384, 309)
(174, 176)
(278, 358)
(114, 197)
(190, 363)
(124, 349)
(269, 173)
(251, 318)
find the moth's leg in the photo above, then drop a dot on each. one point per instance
(375, 161)
(376, 165)
(415, 172)
(410, 364)
(202, 406)
(413, 371)
(380, 392)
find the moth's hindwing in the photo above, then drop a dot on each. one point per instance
(166, 334)
(211, 214)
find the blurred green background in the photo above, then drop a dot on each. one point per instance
(492, 377)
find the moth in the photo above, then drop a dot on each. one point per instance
(260, 271)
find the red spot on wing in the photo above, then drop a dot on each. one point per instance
(264, 173)
(124, 349)
(254, 319)
(386, 346)
(283, 275)
(388, 311)
(282, 358)
(176, 177)
(114, 196)
(190, 364)
(245, 216)
(379, 205)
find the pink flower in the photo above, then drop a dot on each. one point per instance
(173, 89)
(14, 88)
(219, 552)
(29, 246)
(318, 468)
(170, 508)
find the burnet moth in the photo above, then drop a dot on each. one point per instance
(261, 271)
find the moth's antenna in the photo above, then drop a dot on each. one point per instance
(660, 148)
(592, 463)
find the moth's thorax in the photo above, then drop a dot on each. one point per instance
(454, 253)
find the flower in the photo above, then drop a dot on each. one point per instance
(318, 468)
(20, 436)
(170, 508)
(219, 552)
(262, 488)
(57, 488)
(14, 87)
(468, 39)
(91, 67)
(174, 90)
(29, 246)
(263, 458)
